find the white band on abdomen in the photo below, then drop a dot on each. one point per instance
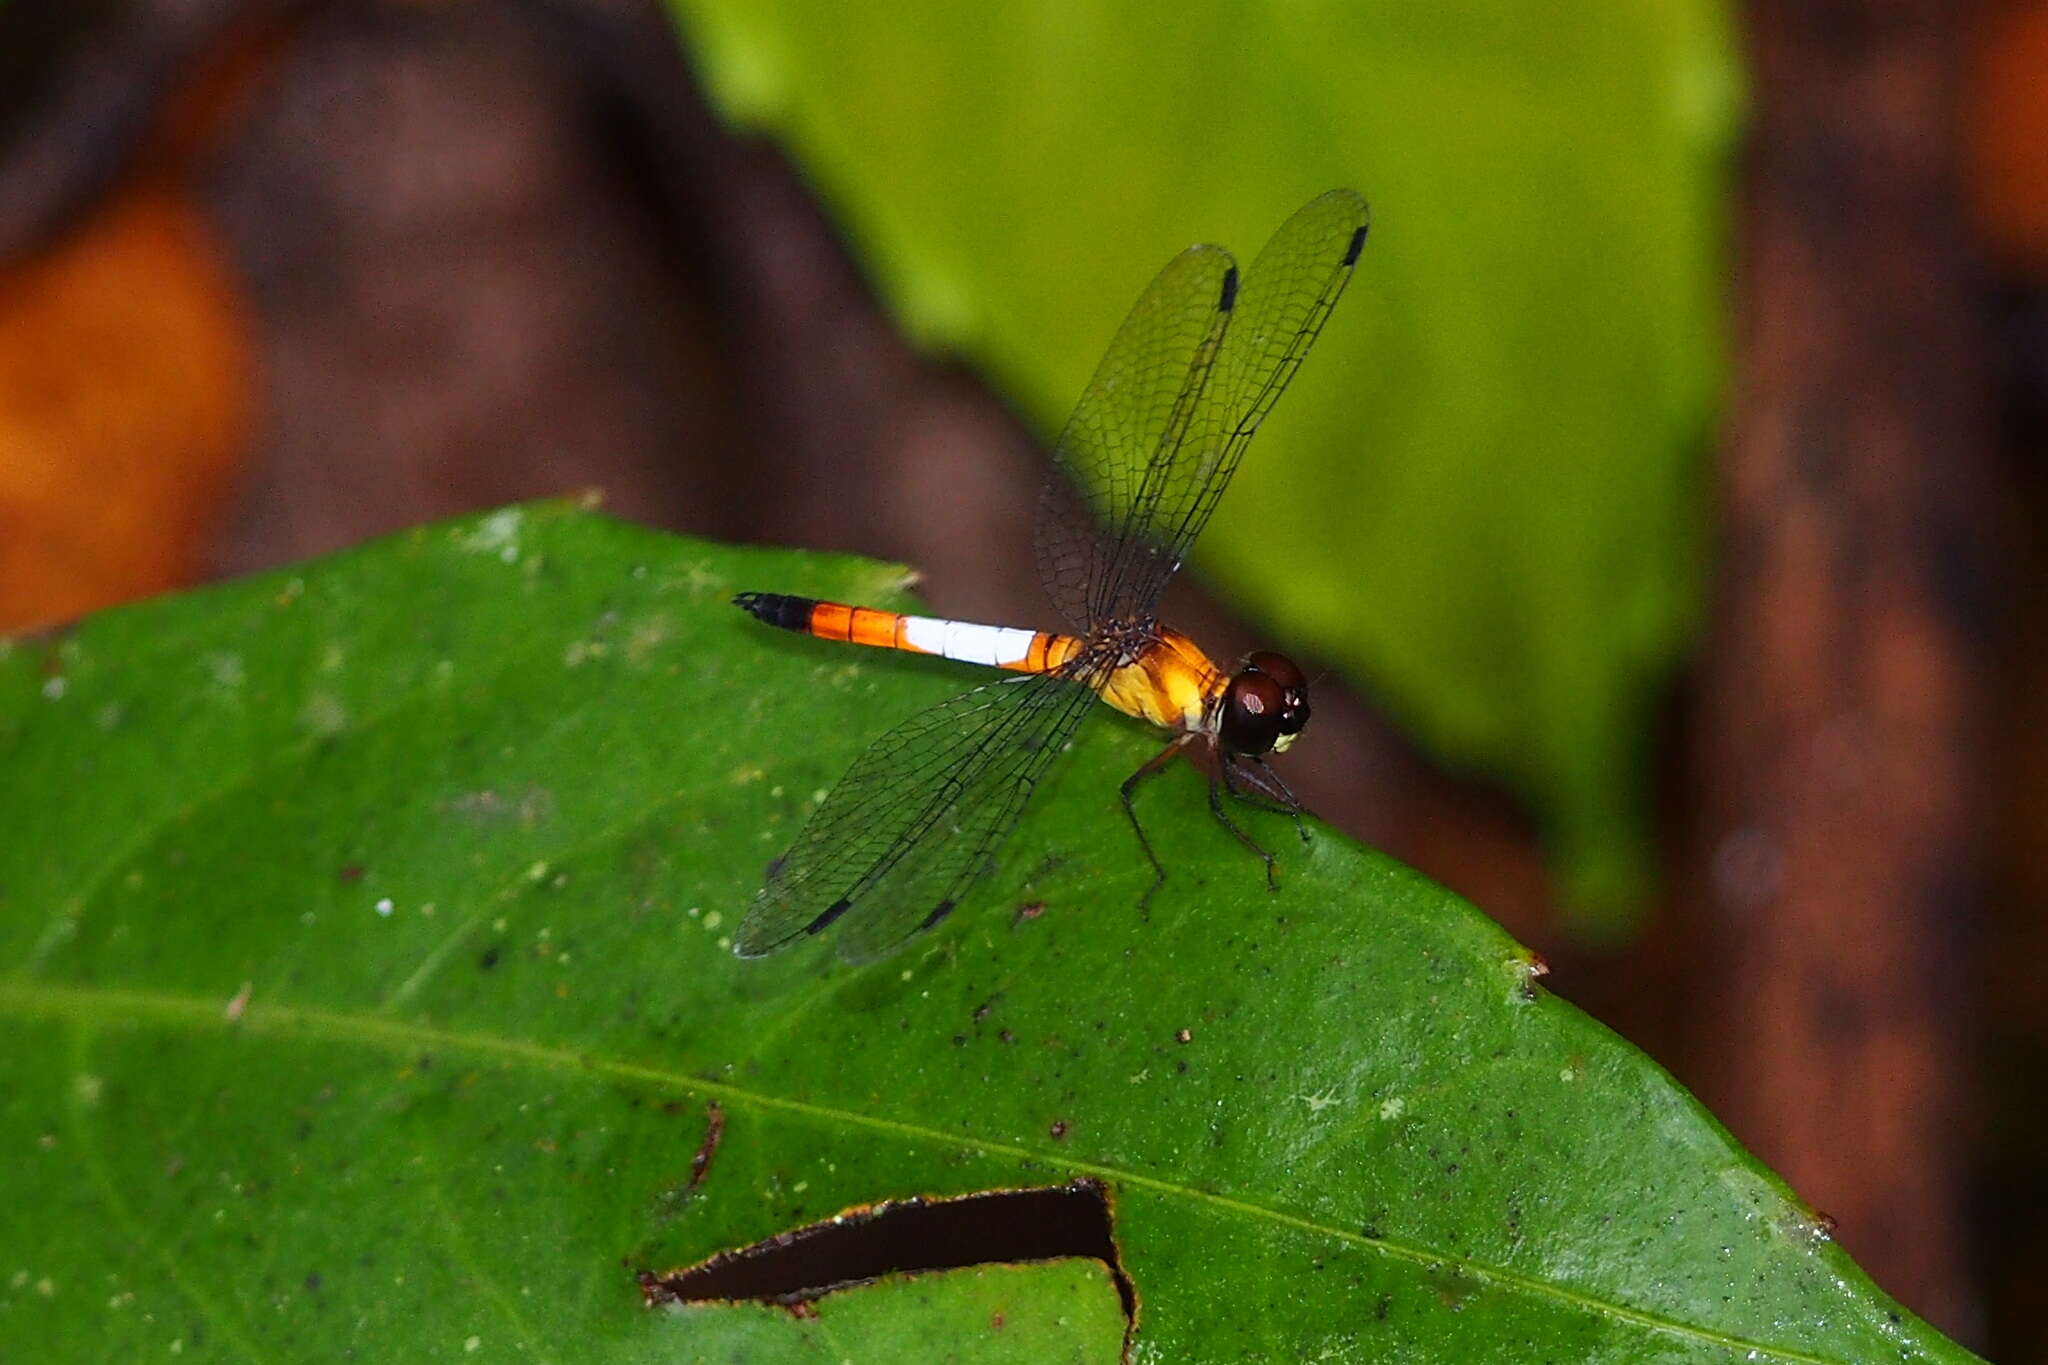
(968, 642)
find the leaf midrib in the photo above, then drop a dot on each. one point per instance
(103, 1007)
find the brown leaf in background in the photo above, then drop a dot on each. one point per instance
(124, 379)
(2008, 135)
(126, 357)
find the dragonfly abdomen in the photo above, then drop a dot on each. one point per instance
(1021, 651)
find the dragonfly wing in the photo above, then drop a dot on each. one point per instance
(1139, 402)
(918, 817)
(1278, 311)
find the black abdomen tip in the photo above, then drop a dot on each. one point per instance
(1357, 245)
(777, 609)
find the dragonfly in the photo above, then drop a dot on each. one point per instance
(1152, 444)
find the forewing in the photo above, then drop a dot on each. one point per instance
(1280, 308)
(1144, 393)
(916, 819)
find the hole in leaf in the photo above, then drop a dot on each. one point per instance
(1002, 1227)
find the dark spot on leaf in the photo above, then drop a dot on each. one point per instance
(1183, 1036)
(351, 873)
(488, 958)
(867, 1243)
(1058, 1129)
(996, 1322)
(1006, 1036)
(313, 1282)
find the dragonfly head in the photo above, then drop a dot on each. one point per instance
(1265, 705)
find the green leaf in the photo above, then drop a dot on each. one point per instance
(366, 929)
(1481, 498)
(1059, 1313)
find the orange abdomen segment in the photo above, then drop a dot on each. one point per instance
(1021, 651)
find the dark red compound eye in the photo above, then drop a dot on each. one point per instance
(1279, 668)
(1293, 685)
(1252, 710)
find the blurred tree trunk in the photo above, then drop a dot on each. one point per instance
(1839, 766)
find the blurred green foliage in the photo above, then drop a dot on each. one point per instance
(1482, 500)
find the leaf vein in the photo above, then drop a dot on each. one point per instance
(88, 1006)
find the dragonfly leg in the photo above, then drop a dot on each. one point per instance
(1264, 782)
(1216, 785)
(1150, 766)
